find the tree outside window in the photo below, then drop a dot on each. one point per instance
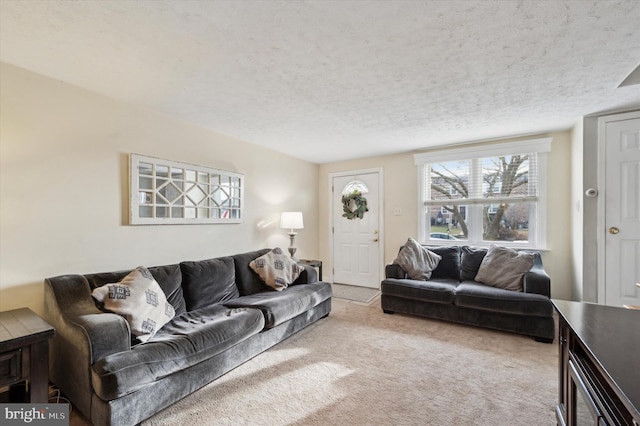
(483, 198)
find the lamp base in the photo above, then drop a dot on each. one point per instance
(292, 252)
(292, 249)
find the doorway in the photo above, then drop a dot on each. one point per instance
(356, 240)
(619, 209)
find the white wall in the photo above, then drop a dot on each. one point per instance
(64, 187)
(589, 159)
(400, 190)
(577, 210)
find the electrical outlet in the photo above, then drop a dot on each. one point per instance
(397, 211)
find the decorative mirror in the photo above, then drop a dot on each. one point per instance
(170, 192)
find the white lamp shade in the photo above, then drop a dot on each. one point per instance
(291, 220)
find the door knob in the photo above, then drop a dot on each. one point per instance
(375, 240)
(613, 230)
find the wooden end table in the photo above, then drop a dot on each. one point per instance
(24, 352)
(313, 264)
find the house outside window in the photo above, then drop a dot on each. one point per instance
(485, 194)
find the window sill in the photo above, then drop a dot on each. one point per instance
(484, 244)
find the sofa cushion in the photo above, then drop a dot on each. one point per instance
(417, 261)
(470, 294)
(207, 282)
(280, 306)
(168, 277)
(435, 290)
(185, 341)
(504, 267)
(471, 259)
(449, 265)
(247, 281)
(276, 269)
(140, 300)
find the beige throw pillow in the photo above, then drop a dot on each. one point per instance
(276, 269)
(417, 261)
(140, 300)
(504, 267)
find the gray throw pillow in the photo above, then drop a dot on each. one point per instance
(417, 261)
(504, 268)
(140, 300)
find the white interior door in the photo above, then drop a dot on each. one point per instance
(622, 210)
(356, 242)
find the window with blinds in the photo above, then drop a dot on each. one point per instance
(484, 194)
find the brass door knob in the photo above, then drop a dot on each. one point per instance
(375, 240)
(613, 230)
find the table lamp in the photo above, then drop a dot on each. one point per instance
(291, 221)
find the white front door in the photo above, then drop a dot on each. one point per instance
(622, 208)
(356, 241)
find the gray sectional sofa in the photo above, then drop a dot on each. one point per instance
(224, 315)
(451, 294)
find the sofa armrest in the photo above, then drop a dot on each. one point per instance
(537, 280)
(308, 276)
(69, 304)
(394, 271)
(84, 334)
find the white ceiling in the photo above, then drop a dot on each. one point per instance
(330, 80)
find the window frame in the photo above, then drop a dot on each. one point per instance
(230, 183)
(537, 235)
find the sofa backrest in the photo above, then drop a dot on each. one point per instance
(247, 281)
(194, 284)
(470, 262)
(169, 277)
(463, 262)
(207, 282)
(449, 265)
(460, 263)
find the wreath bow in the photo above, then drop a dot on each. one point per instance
(359, 202)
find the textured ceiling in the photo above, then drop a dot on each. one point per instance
(330, 80)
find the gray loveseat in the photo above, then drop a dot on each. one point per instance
(451, 294)
(224, 315)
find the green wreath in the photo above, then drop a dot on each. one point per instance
(360, 205)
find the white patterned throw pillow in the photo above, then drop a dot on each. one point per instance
(276, 269)
(140, 300)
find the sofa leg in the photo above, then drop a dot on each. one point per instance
(544, 339)
(386, 311)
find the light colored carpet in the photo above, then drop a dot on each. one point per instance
(355, 293)
(360, 366)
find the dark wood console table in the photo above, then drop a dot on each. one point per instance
(24, 352)
(599, 360)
